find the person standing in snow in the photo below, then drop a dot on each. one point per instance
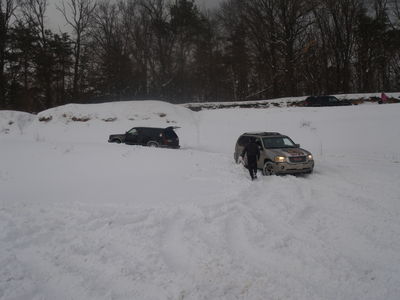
(252, 150)
(384, 98)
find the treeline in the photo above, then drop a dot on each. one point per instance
(171, 50)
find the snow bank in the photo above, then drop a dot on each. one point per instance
(14, 121)
(113, 111)
(93, 123)
(281, 102)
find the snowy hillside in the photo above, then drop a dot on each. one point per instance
(84, 219)
(290, 101)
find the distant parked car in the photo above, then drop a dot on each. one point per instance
(278, 153)
(325, 101)
(148, 136)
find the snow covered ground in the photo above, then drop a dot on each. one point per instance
(84, 219)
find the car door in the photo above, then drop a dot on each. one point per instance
(149, 135)
(131, 136)
(242, 142)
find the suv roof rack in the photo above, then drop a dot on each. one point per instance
(263, 133)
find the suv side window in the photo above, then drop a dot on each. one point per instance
(287, 142)
(151, 132)
(333, 99)
(258, 142)
(133, 131)
(145, 131)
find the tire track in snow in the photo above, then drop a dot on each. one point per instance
(174, 249)
(263, 237)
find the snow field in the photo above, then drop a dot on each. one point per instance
(84, 219)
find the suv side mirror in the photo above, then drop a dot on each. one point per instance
(297, 145)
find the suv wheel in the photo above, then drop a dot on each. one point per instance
(268, 168)
(152, 144)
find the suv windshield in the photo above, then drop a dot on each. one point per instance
(278, 142)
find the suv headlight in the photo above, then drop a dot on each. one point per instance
(280, 159)
(310, 157)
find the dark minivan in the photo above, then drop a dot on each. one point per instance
(148, 136)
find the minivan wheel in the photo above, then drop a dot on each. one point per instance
(268, 168)
(152, 144)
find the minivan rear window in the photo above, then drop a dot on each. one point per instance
(170, 134)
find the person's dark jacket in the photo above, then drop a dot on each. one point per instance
(253, 153)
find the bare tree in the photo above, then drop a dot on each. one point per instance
(78, 14)
(261, 19)
(337, 22)
(293, 19)
(277, 34)
(137, 33)
(236, 47)
(34, 13)
(396, 10)
(161, 62)
(7, 8)
(113, 65)
(380, 7)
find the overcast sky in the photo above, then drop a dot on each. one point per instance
(56, 20)
(208, 3)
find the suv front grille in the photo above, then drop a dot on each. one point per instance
(297, 159)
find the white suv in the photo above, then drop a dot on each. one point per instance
(278, 153)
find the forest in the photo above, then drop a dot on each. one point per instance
(174, 51)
